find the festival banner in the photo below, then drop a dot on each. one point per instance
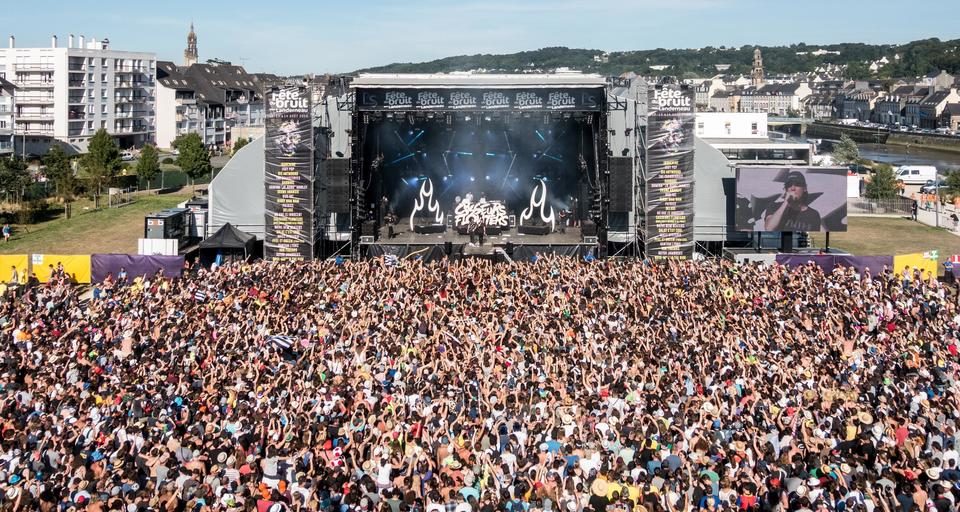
(289, 175)
(533, 99)
(136, 265)
(669, 183)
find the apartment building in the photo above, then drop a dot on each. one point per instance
(219, 101)
(7, 105)
(67, 93)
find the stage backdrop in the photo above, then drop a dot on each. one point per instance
(761, 205)
(669, 185)
(289, 175)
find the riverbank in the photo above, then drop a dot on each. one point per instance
(882, 136)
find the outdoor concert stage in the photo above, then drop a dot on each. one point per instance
(434, 159)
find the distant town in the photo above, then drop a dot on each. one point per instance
(67, 91)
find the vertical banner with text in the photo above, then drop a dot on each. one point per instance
(289, 175)
(669, 184)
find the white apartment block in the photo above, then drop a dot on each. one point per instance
(67, 93)
(7, 105)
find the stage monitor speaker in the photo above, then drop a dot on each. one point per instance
(621, 184)
(429, 228)
(335, 175)
(366, 239)
(588, 228)
(533, 230)
(590, 240)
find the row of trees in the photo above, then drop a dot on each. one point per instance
(99, 167)
(916, 58)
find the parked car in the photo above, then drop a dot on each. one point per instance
(932, 186)
(127, 156)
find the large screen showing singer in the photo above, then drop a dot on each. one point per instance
(791, 199)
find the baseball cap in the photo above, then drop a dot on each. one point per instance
(795, 178)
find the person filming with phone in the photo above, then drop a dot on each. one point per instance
(792, 211)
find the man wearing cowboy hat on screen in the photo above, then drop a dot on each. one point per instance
(792, 211)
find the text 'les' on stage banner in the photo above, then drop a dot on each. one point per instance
(670, 177)
(289, 175)
(533, 99)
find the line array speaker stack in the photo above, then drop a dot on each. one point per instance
(621, 184)
(335, 173)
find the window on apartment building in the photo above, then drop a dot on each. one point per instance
(103, 77)
(103, 62)
(103, 109)
(3, 124)
(103, 124)
(89, 125)
(753, 128)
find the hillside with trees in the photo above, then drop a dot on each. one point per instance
(915, 59)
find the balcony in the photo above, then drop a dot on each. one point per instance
(76, 84)
(34, 116)
(130, 99)
(35, 100)
(36, 131)
(76, 100)
(34, 84)
(34, 66)
(123, 115)
(76, 67)
(75, 115)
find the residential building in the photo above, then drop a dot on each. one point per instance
(705, 90)
(7, 106)
(889, 109)
(217, 100)
(929, 109)
(950, 118)
(775, 99)
(939, 81)
(67, 94)
(725, 101)
(819, 106)
(857, 104)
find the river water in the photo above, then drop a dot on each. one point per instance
(903, 155)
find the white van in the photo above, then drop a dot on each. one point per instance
(916, 174)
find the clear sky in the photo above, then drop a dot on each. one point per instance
(299, 36)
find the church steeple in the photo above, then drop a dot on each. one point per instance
(190, 54)
(757, 77)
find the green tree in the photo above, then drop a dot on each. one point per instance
(846, 152)
(239, 144)
(193, 158)
(953, 182)
(101, 162)
(60, 172)
(14, 177)
(883, 183)
(149, 164)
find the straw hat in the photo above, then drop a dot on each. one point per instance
(865, 417)
(933, 473)
(802, 491)
(845, 468)
(566, 418)
(599, 487)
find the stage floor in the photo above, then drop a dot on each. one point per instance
(403, 235)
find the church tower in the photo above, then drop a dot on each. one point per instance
(190, 54)
(756, 76)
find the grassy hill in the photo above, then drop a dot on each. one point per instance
(915, 59)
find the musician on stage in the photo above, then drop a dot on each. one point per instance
(481, 231)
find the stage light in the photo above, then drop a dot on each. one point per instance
(487, 177)
(467, 118)
(445, 178)
(487, 119)
(516, 180)
(339, 154)
(491, 154)
(625, 152)
(540, 135)
(472, 178)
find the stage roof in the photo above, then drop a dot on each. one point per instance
(469, 80)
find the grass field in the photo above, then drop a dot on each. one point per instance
(89, 232)
(883, 236)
